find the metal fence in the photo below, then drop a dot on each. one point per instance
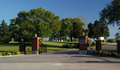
(43, 48)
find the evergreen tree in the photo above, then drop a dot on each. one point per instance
(77, 28)
(5, 34)
(90, 28)
(104, 28)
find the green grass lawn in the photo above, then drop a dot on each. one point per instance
(57, 46)
(104, 43)
(51, 46)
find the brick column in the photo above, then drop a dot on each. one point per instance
(22, 46)
(83, 45)
(98, 45)
(118, 47)
(35, 45)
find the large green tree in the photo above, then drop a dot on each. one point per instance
(97, 29)
(5, 34)
(66, 27)
(90, 28)
(36, 21)
(104, 28)
(78, 27)
(71, 27)
(94, 30)
(112, 12)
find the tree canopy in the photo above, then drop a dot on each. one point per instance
(5, 34)
(98, 29)
(36, 21)
(112, 12)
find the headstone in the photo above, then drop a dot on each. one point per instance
(12, 39)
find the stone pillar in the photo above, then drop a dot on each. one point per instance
(98, 45)
(83, 45)
(35, 45)
(118, 47)
(22, 46)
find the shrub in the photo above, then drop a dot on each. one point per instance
(13, 53)
(17, 52)
(0, 54)
(4, 54)
(109, 53)
(100, 52)
(111, 40)
(21, 53)
(71, 45)
(113, 54)
(76, 45)
(93, 43)
(65, 46)
(8, 53)
(95, 52)
(105, 53)
(89, 42)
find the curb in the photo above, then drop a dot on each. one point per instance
(11, 55)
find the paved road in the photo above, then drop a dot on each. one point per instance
(110, 47)
(63, 60)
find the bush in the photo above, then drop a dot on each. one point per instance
(105, 53)
(8, 53)
(4, 54)
(17, 52)
(100, 52)
(113, 54)
(95, 52)
(89, 42)
(0, 54)
(13, 53)
(71, 45)
(93, 43)
(111, 40)
(109, 53)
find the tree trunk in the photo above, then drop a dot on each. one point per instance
(71, 38)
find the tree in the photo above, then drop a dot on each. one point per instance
(71, 27)
(117, 36)
(36, 21)
(90, 28)
(66, 27)
(104, 28)
(5, 34)
(112, 12)
(77, 27)
(86, 31)
(96, 29)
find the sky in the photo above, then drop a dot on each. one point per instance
(63, 8)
